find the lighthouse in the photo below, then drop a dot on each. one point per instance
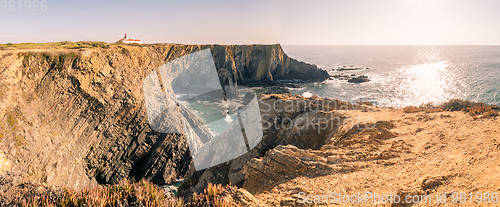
(129, 41)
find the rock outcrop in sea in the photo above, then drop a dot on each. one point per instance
(351, 78)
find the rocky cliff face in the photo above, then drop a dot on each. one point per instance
(77, 117)
(304, 123)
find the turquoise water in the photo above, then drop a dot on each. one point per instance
(406, 75)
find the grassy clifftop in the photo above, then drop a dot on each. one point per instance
(56, 45)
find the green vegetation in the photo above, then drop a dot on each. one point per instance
(185, 185)
(63, 58)
(56, 45)
(475, 109)
(58, 60)
(11, 118)
(459, 105)
(125, 51)
(44, 179)
(26, 58)
(47, 56)
(482, 111)
(142, 193)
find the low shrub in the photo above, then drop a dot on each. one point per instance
(65, 57)
(482, 111)
(11, 119)
(212, 196)
(459, 105)
(47, 56)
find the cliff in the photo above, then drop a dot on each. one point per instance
(76, 117)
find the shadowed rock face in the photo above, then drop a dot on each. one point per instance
(77, 117)
(255, 65)
(302, 123)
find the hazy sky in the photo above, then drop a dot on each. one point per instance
(289, 22)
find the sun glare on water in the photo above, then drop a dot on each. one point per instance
(428, 82)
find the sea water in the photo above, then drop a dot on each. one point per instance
(405, 75)
(400, 76)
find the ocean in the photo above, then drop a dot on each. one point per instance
(400, 76)
(405, 75)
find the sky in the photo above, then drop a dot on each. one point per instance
(288, 22)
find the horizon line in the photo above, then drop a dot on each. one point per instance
(396, 45)
(498, 44)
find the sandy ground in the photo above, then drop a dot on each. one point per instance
(432, 154)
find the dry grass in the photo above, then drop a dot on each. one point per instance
(474, 108)
(414, 109)
(11, 119)
(459, 105)
(126, 193)
(212, 196)
(482, 111)
(55, 45)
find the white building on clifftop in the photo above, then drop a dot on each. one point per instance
(129, 41)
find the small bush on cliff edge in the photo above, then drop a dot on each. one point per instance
(459, 105)
(212, 196)
(65, 57)
(475, 109)
(57, 60)
(482, 111)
